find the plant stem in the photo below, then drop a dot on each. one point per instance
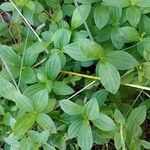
(97, 78)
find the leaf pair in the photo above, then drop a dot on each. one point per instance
(80, 127)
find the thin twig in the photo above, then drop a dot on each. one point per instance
(39, 39)
(81, 90)
(9, 72)
(24, 51)
(39, 63)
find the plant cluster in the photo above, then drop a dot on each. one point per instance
(75, 74)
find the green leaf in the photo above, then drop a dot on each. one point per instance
(70, 108)
(7, 89)
(74, 128)
(3, 28)
(40, 138)
(80, 14)
(74, 51)
(104, 123)
(118, 116)
(44, 135)
(25, 144)
(116, 38)
(115, 15)
(87, 2)
(121, 60)
(1, 110)
(109, 76)
(143, 3)
(48, 147)
(90, 49)
(30, 58)
(145, 144)
(138, 115)
(60, 88)
(117, 3)
(24, 103)
(61, 38)
(34, 136)
(146, 70)
(40, 100)
(6, 6)
(101, 16)
(85, 138)
(100, 96)
(46, 122)
(37, 47)
(133, 15)
(129, 34)
(117, 140)
(57, 13)
(28, 75)
(91, 109)
(9, 55)
(30, 91)
(53, 67)
(23, 124)
(50, 105)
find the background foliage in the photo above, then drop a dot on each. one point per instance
(58, 48)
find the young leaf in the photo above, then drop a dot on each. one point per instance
(109, 76)
(91, 109)
(121, 60)
(133, 15)
(118, 116)
(101, 16)
(70, 108)
(60, 88)
(46, 122)
(80, 14)
(40, 100)
(23, 124)
(53, 67)
(138, 115)
(85, 138)
(130, 34)
(104, 123)
(117, 3)
(61, 38)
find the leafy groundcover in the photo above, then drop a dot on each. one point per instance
(75, 74)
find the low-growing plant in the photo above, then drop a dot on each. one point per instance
(75, 74)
